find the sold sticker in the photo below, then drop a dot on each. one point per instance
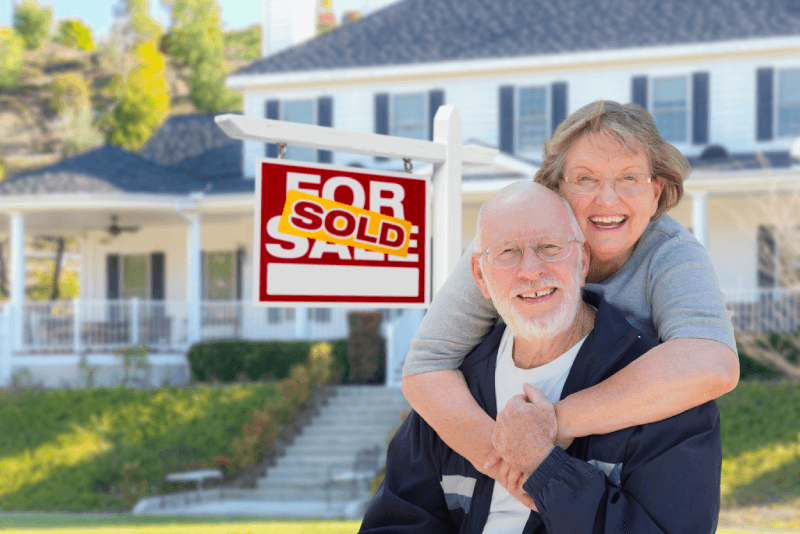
(319, 218)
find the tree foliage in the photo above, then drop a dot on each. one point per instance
(11, 48)
(75, 34)
(33, 22)
(145, 100)
(196, 38)
(134, 24)
(70, 93)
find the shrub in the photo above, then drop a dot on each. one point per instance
(784, 344)
(70, 93)
(32, 22)
(75, 34)
(259, 360)
(11, 48)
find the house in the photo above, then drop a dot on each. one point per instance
(166, 256)
(720, 77)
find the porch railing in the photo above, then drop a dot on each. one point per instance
(103, 325)
(765, 310)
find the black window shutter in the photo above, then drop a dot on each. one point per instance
(435, 99)
(382, 116)
(764, 80)
(112, 274)
(700, 92)
(325, 118)
(507, 119)
(272, 111)
(157, 276)
(558, 105)
(240, 256)
(639, 91)
(766, 257)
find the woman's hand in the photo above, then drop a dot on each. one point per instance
(511, 479)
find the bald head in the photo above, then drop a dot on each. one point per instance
(519, 202)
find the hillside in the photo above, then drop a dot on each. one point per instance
(31, 133)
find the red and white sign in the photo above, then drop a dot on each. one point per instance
(359, 213)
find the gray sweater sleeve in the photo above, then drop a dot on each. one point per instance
(455, 322)
(685, 298)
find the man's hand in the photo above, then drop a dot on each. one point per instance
(525, 431)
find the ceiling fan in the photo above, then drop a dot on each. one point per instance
(114, 229)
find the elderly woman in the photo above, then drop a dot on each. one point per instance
(620, 177)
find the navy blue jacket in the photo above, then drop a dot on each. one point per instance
(659, 477)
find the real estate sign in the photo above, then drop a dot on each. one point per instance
(340, 236)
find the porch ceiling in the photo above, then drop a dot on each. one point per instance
(75, 222)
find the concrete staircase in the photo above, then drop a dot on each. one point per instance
(355, 418)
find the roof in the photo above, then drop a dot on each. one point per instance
(716, 158)
(109, 169)
(426, 31)
(186, 136)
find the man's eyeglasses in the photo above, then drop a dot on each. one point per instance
(625, 184)
(507, 254)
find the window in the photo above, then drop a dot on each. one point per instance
(789, 103)
(274, 315)
(670, 108)
(220, 278)
(135, 277)
(319, 315)
(301, 111)
(532, 120)
(278, 315)
(408, 116)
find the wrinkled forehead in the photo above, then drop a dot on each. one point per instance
(615, 145)
(523, 215)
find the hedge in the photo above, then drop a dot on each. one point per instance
(230, 360)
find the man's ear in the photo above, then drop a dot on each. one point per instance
(477, 274)
(587, 257)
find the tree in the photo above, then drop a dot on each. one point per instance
(145, 100)
(134, 25)
(767, 330)
(11, 48)
(196, 38)
(75, 34)
(70, 93)
(33, 22)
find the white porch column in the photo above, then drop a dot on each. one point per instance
(17, 278)
(446, 220)
(699, 217)
(300, 323)
(193, 282)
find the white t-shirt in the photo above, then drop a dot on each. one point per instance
(507, 515)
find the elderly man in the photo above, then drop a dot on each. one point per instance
(661, 477)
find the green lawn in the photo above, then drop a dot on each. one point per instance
(126, 523)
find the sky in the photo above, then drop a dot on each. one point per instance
(236, 14)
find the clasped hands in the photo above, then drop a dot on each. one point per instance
(525, 432)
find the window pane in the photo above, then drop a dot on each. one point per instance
(301, 111)
(669, 93)
(274, 315)
(789, 103)
(220, 275)
(532, 119)
(408, 116)
(532, 101)
(669, 108)
(134, 277)
(789, 86)
(789, 120)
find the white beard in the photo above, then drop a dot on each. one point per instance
(546, 325)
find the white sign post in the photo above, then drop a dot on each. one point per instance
(445, 152)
